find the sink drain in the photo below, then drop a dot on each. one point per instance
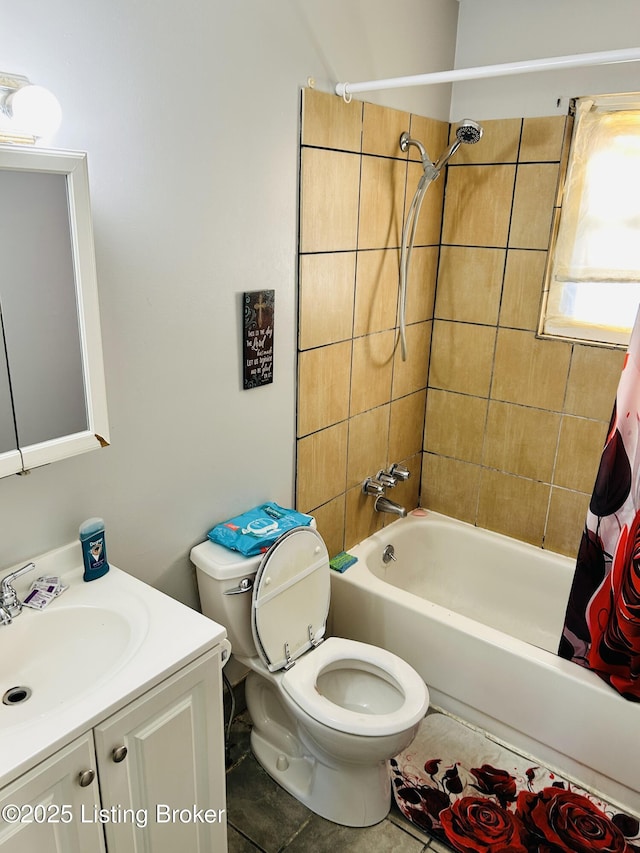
(16, 695)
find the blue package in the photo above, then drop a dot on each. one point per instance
(255, 531)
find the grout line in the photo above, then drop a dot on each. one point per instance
(247, 838)
(353, 329)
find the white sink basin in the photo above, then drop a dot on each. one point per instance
(55, 656)
(94, 648)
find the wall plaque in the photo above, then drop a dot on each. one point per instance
(257, 325)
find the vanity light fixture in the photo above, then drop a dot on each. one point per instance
(28, 113)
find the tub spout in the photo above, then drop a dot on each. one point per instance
(383, 504)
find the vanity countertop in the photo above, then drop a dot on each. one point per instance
(92, 650)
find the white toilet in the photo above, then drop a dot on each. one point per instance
(326, 713)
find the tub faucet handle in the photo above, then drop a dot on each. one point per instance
(399, 472)
(371, 486)
(386, 478)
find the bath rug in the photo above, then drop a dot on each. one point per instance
(476, 796)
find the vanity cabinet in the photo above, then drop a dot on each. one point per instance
(162, 757)
(42, 810)
(158, 783)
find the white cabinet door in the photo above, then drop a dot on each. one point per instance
(48, 811)
(161, 766)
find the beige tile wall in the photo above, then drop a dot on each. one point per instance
(360, 407)
(514, 424)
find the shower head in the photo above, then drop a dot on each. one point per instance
(468, 132)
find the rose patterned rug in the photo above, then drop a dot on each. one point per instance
(476, 796)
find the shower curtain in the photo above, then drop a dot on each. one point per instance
(602, 622)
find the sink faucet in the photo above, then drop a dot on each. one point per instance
(10, 604)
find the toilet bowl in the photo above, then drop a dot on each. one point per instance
(327, 713)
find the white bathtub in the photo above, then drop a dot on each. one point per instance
(479, 616)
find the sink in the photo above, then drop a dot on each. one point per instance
(54, 660)
(52, 657)
(94, 648)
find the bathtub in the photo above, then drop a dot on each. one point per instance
(479, 616)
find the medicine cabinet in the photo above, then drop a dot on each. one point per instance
(52, 390)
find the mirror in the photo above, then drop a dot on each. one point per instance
(8, 438)
(52, 392)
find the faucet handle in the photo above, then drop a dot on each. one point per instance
(386, 478)
(8, 580)
(371, 486)
(399, 472)
(8, 597)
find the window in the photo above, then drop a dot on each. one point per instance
(593, 278)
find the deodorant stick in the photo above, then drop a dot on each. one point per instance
(94, 550)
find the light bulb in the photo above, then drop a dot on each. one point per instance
(35, 110)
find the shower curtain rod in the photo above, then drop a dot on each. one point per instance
(603, 57)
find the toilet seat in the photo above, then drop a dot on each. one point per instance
(300, 683)
(290, 599)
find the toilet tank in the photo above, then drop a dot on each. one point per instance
(218, 570)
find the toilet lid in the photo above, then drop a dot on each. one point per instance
(290, 600)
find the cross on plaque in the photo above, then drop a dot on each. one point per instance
(260, 306)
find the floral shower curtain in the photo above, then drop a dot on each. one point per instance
(602, 622)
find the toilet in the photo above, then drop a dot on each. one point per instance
(327, 713)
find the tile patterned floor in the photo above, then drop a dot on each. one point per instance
(264, 817)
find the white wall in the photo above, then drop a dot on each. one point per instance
(389, 40)
(495, 31)
(189, 112)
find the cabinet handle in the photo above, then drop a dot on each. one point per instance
(119, 754)
(86, 777)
